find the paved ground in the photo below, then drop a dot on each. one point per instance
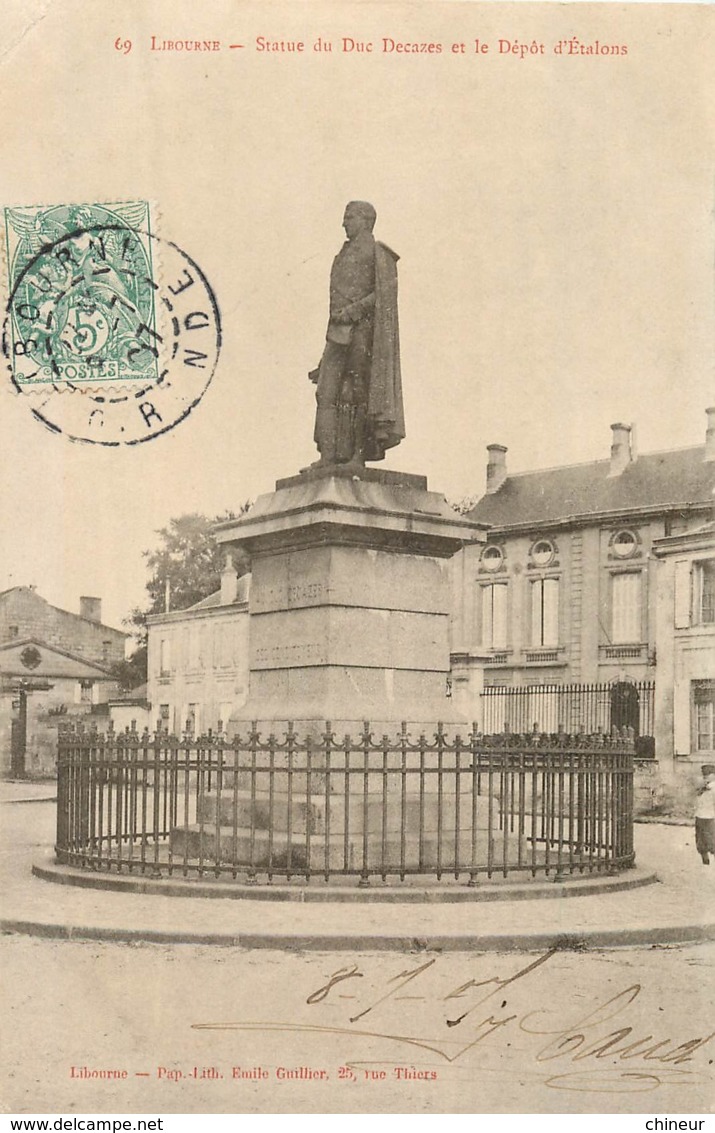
(677, 909)
(235, 1030)
(380, 1038)
(27, 791)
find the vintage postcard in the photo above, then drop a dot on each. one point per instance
(357, 592)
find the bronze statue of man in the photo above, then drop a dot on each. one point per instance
(359, 389)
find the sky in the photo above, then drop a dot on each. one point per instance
(553, 218)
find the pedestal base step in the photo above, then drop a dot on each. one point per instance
(260, 851)
(415, 811)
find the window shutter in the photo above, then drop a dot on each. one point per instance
(487, 616)
(535, 590)
(618, 626)
(551, 611)
(635, 612)
(626, 597)
(683, 600)
(499, 625)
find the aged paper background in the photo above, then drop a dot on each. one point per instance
(553, 213)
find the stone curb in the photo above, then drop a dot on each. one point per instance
(206, 889)
(586, 940)
(29, 799)
(662, 820)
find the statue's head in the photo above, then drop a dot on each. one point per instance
(360, 216)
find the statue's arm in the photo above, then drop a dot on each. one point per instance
(354, 312)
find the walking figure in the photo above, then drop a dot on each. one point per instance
(705, 814)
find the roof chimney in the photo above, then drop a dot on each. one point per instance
(496, 467)
(229, 582)
(710, 434)
(620, 449)
(90, 608)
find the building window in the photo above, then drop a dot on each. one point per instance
(165, 717)
(542, 553)
(544, 612)
(165, 657)
(624, 544)
(194, 647)
(492, 557)
(494, 616)
(224, 641)
(192, 719)
(704, 592)
(703, 700)
(694, 593)
(626, 608)
(14, 631)
(85, 694)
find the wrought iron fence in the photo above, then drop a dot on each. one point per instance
(333, 807)
(585, 708)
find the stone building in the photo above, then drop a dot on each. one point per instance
(685, 643)
(198, 659)
(53, 663)
(564, 591)
(25, 614)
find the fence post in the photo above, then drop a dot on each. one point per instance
(364, 882)
(63, 762)
(155, 872)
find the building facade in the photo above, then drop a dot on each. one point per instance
(685, 642)
(198, 660)
(564, 591)
(53, 664)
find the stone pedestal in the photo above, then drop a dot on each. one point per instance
(336, 833)
(468, 685)
(349, 614)
(350, 601)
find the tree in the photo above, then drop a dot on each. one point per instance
(131, 673)
(187, 564)
(184, 568)
(465, 505)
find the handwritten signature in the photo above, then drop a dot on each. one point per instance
(636, 1062)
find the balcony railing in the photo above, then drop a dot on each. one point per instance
(623, 652)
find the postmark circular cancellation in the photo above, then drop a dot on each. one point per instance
(112, 333)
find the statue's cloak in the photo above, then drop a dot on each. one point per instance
(386, 417)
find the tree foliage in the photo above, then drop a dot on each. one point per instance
(184, 567)
(131, 673)
(189, 560)
(465, 505)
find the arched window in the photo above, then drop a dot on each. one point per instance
(624, 544)
(492, 557)
(542, 553)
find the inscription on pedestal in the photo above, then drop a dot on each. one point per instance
(266, 597)
(350, 601)
(290, 582)
(301, 592)
(290, 655)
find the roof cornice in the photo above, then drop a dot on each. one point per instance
(588, 519)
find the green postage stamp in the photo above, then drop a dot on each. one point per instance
(82, 307)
